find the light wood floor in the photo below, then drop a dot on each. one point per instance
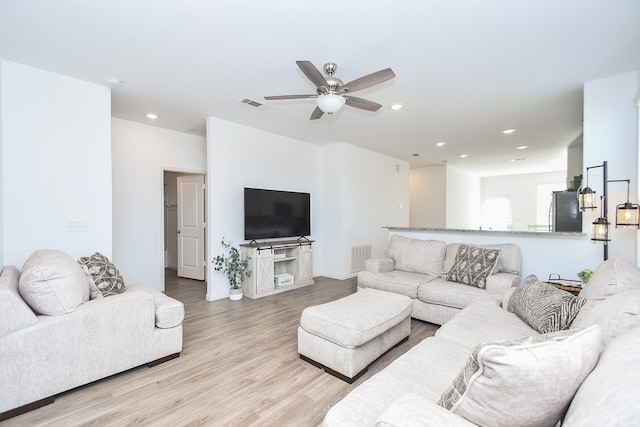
(239, 367)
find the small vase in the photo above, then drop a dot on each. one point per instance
(235, 294)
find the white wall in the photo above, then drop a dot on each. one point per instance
(463, 200)
(611, 134)
(239, 156)
(375, 193)
(428, 189)
(354, 192)
(56, 163)
(574, 160)
(141, 154)
(522, 190)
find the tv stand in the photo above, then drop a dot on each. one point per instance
(277, 266)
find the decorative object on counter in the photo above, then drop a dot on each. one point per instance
(236, 268)
(585, 275)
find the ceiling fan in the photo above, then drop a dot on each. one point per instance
(331, 92)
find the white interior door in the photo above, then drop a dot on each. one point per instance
(191, 257)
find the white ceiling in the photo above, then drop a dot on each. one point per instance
(466, 69)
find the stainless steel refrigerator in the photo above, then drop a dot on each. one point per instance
(564, 213)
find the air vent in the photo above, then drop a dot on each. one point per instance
(359, 254)
(253, 103)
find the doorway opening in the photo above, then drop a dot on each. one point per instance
(184, 211)
(496, 213)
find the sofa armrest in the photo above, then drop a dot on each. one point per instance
(379, 265)
(414, 410)
(169, 312)
(499, 283)
(506, 296)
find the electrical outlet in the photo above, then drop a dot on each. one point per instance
(77, 226)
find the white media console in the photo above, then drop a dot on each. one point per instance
(277, 266)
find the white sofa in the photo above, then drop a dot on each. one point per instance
(88, 339)
(589, 376)
(419, 269)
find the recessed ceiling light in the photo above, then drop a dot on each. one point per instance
(114, 83)
(396, 106)
(522, 147)
(508, 131)
(518, 160)
(440, 144)
(152, 116)
(462, 156)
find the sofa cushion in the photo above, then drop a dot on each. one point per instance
(417, 256)
(510, 260)
(608, 396)
(611, 277)
(472, 266)
(105, 275)
(426, 369)
(482, 321)
(506, 383)
(450, 294)
(543, 307)
(52, 283)
(358, 318)
(16, 314)
(399, 282)
(413, 410)
(615, 315)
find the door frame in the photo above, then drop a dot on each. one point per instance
(185, 171)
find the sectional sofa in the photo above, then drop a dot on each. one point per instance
(441, 278)
(491, 364)
(59, 331)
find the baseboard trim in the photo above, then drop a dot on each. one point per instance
(26, 408)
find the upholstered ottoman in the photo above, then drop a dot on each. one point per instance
(345, 336)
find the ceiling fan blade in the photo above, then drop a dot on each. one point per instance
(369, 80)
(362, 104)
(277, 97)
(317, 113)
(312, 73)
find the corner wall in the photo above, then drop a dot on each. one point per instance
(611, 134)
(239, 156)
(141, 154)
(56, 164)
(368, 191)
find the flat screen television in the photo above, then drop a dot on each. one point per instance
(270, 214)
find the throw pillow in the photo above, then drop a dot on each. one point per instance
(52, 283)
(473, 265)
(525, 382)
(105, 275)
(543, 307)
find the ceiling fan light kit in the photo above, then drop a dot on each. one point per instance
(330, 91)
(330, 102)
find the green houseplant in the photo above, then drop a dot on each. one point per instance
(585, 275)
(237, 269)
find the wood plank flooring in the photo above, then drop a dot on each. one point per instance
(239, 367)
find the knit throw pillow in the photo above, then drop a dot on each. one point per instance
(473, 265)
(543, 307)
(104, 274)
(525, 382)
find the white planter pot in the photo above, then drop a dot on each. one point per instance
(235, 294)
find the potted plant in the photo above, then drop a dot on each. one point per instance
(236, 268)
(585, 275)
